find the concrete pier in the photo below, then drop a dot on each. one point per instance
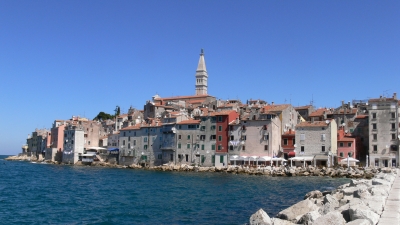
(391, 211)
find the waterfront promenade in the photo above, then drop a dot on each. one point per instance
(391, 212)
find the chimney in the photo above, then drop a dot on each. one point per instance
(395, 96)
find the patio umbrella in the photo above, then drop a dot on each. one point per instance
(234, 158)
(244, 157)
(254, 157)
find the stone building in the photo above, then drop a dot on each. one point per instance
(384, 131)
(318, 140)
(73, 143)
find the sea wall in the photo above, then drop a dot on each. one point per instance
(361, 201)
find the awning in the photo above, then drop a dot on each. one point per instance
(113, 149)
(96, 148)
(304, 158)
(350, 160)
(321, 157)
(87, 155)
(279, 159)
(291, 154)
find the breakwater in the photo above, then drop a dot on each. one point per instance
(361, 201)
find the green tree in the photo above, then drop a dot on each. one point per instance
(103, 116)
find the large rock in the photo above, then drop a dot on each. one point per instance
(313, 194)
(359, 222)
(379, 190)
(309, 218)
(297, 210)
(377, 181)
(375, 203)
(326, 208)
(349, 191)
(362, 213)
(260, 218)
(331, 200)
(277, 221)
(332, 218)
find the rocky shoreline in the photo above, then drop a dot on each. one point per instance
(281, 171)
(360, 202)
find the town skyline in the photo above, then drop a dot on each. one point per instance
(64, 59)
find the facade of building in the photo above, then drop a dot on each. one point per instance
(384, 131)
(73, 143)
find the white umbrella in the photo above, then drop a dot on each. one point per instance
(234, 158)
(254, 158)
(367, 162)
(244, 157)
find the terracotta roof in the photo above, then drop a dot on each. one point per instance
(361, 116)
(189, 122)
(275, 108)
(122, 115)
(346, 139)
(319, 112)
(222, 113)
(289, 132)
(134, 127)
(313, 124)
(302, 107)
(381, 99)
(184, 97)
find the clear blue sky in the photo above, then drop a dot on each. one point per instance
(64, 58)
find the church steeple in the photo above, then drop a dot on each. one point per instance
(201, 76)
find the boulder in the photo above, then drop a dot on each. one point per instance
(309, 218)
(313, 194)
(331, 200)
(260, 218)
(362, 213)
(379, 190)
(377, 181)
(375, 203)
(277, 221)
(332, 218)
(359, 222)
(296, 210)
(326, 208)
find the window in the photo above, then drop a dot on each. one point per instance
(374, 126)
(374, 137)
(393, 136)
(302, 137)
(213, 137)
(213, 159)
(243, 148)
(123, 142)
(219, 128)
(266, 137)
(373, 114)
(341, 144)
(134, 142)
(188, 137)
(179, 145)
(219, 138)
(145, 147)
(192, 126)
(231, 147)
(212, 147)
(221, 159)
(243, 137)
(134, 133)
(188, 146)
(203, 158)
(202, 147)
(349, 144)
(203, 127)
(323, 148)
(232, 138)
(393, 126)
(219, 147)
(285, 141)
(187, 158)
(129, 138)
(323, 137)
(219, 118)
(159, 156)
(349, 154)
(145, 139)
(180, 127)
(302, 149)
(124, 133)
(202, 137)
(341, 154)
(375, 147)
(265, 147)
(179, 137)
(213, 127)
(393, 115)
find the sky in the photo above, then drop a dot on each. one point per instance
(60, 59)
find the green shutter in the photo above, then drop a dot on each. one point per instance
(221, 158)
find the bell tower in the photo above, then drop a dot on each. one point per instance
(201, 76)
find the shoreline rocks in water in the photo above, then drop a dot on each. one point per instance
(281, 171)
(359, 202)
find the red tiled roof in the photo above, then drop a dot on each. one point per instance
(313, 124)
(184, 97)
(189, 122)
(346, 139)
(381, 99)
(319, 112)
(361, 116)
(302, 107)
(275, 108)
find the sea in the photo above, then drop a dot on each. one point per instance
(35, 193)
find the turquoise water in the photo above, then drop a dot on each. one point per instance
(54, 194)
